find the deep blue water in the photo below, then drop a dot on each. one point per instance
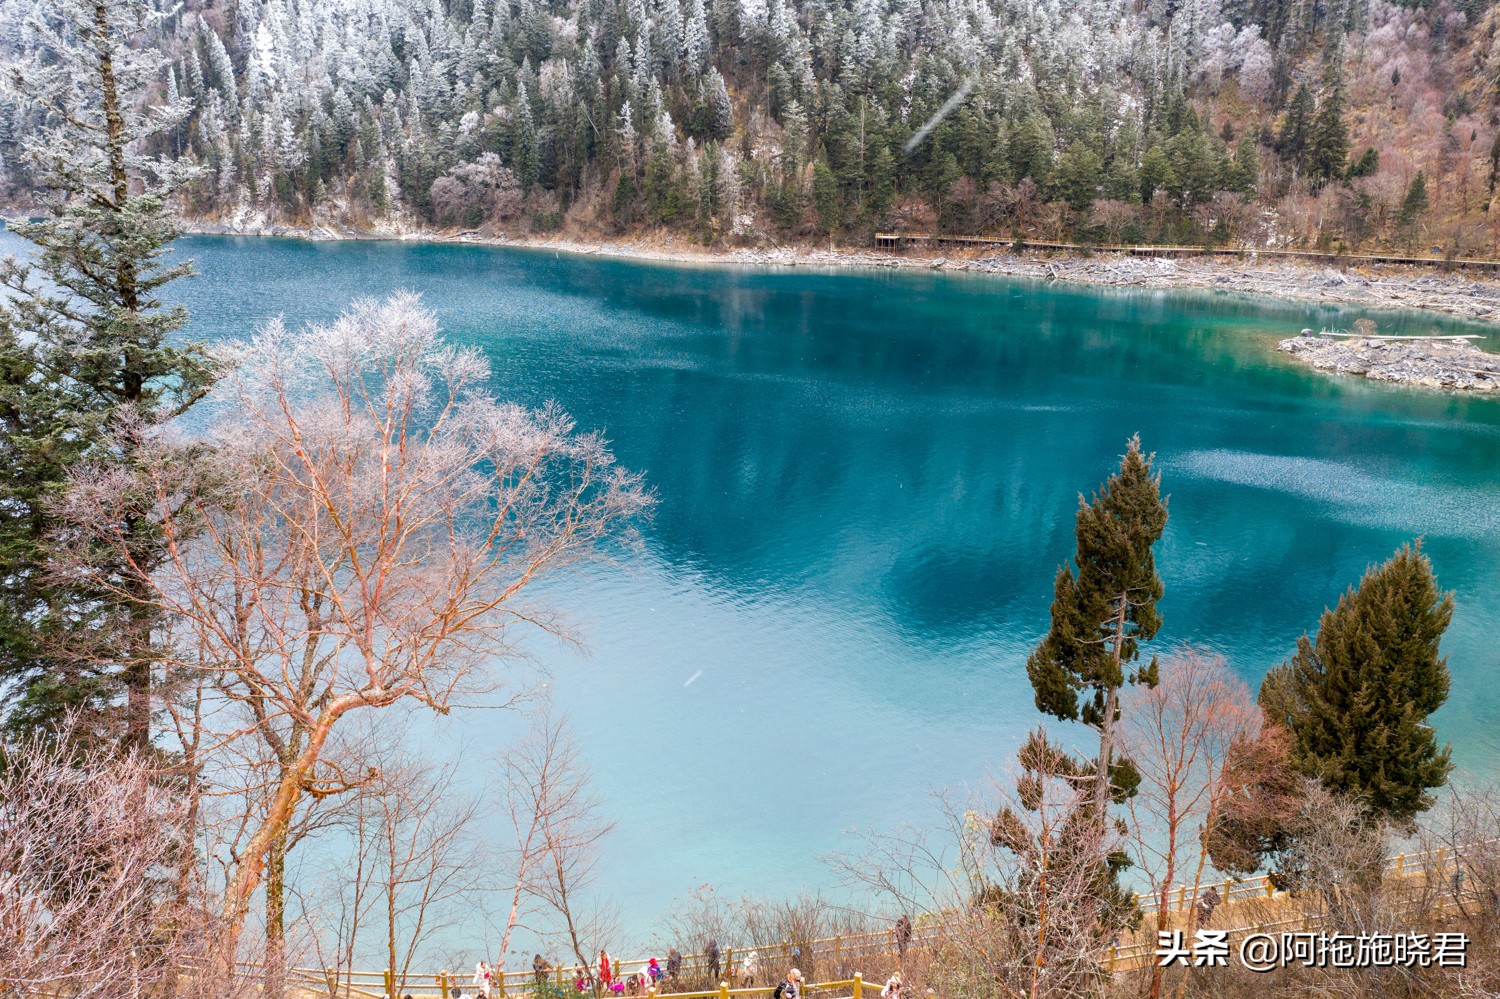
(866, 482)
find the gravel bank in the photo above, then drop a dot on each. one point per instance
(1456, 294)
(1430, 363)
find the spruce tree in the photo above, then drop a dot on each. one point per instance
(1245, 173)
(1079, 170)
(87, 355)
(1413, 207)
(826, 200)
(1101, 614)
(1356, 699)
(1330, 138)
(1294, 140)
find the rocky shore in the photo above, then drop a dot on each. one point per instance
(1457, 294)
(1443, 364)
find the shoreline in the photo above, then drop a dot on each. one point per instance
(1384, 286)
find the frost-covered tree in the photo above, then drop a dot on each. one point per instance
(90, 356)
(271, 88)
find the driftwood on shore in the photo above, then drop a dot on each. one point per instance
(1362, 336)
(1431, 362)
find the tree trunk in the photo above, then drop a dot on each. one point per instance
(247, 876)
(275, 966)
(1107, 723)
(390, 894)
(136, 674)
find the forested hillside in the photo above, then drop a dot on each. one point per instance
(1320, 123)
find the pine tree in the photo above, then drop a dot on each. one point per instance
(1079, 171)
(1366, 165)
(1102, 614)
(524, 154)
(1031, 150)
(1294, 139)
(695, 42)
(1413, 207)
(1245, 171)
(1057, 848)
(826, 200)
(721, 120)
(1330, 138)
(86, 354)
(1356, 699)
(1156, 174)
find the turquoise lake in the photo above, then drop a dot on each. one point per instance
(866, 481)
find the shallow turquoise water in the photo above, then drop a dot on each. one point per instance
(866, 483)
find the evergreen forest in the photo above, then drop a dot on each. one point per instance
(1339, 125)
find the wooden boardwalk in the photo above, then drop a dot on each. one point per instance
(900, 241)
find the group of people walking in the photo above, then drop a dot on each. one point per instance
(611, 977)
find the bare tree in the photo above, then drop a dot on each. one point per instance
(1468, 830)
(86, 879)
(363, 536)
(1179, 735)
(1017, 895)
(428, 854)
(558, 824)
(485, 188)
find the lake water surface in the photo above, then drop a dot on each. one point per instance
(866, 482)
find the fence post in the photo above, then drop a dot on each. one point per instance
(1113, 953)
(442, 983)
(1228, 884)
(390, 983)
(1181, 897)
(838, 951)
(723, 990)
(1270, 888)
(1400, 863)
(859, 986)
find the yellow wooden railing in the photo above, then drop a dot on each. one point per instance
(1440, 861)
(1233, 890)
(374, 984)
(839, 949)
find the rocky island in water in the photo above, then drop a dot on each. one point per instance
(1431, 362)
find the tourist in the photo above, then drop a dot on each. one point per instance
(712, 953)
(605, 972)
(674, 963)
(903, 934)
(654, 970)
(790, 987)
(1207, 903)
(482, 979)
(539, 969)
(892, 988)
(751, 960)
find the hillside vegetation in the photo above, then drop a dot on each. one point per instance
(1313, 123)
